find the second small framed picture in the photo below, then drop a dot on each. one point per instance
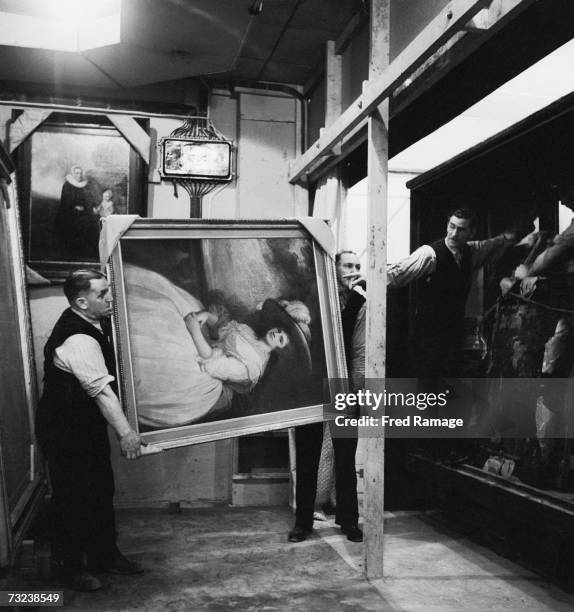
(72, 174)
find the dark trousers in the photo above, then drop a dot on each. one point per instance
(308, 441)
(82, 501)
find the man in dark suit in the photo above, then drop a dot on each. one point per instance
(309, 438)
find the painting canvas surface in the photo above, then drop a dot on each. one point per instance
(66, 231)
(165, 279)
(203, 159)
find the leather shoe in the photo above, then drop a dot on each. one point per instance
(298, 534)
(120, 565)
(353, 533)
(84, 582)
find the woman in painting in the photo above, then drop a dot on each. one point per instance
(77, 225)
(182, 373)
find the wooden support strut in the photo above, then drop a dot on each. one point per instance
(450, 20)
(133, 133)
(32, 118)
(377, 172)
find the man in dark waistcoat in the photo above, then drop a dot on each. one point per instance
(79, 400)
(443, 271)
(309, 438)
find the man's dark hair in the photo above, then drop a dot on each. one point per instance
(338, 255)
(464, 213)
(78, 281)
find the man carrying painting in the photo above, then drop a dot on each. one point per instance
(79, 400)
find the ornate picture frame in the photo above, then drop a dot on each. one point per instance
(194, 158)
(73, 172)
(242, 276)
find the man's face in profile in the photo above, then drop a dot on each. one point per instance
(348, 269)
(458, 232)
(96, 302)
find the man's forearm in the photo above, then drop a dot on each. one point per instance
(552, 256)
(485, 250)
(111, 410)
(109, 405)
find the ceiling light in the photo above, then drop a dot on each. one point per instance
(60, 25)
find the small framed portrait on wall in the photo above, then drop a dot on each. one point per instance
(188, 158)
(223, 328)
(72, 174)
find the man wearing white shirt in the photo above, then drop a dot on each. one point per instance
(444, 272)
(79, 401)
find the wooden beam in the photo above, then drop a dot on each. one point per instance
(450, 20)
(329, 194)
(334, 97)
(25, 124)
(130, 129)
(480, 22)
(6, 163)
(494, 19)
(377, 166)
(349, 143)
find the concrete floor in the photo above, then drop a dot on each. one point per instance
(221, 559)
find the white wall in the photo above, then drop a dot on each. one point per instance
(264, 126)
(354, 218)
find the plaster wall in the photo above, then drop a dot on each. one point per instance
(268, 141)
(265, 132)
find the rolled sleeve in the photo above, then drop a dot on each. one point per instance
(418, 264)
(484, 250)
(82, 356)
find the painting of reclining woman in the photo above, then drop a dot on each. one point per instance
(222, 328)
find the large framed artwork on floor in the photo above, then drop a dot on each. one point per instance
(74, 172)
(223, 328)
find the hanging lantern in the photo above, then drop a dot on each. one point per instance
(197, 157)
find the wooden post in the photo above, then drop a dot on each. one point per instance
(334, 89)
(329, 194)
(447, 22)
(378, 148)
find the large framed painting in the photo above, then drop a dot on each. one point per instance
(223, 328)
(72, 175)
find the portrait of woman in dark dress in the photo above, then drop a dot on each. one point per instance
(77, 224)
